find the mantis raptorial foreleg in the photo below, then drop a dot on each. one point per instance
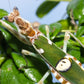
(66, 38)
(44, 77)
(47, 31)
(76, 39)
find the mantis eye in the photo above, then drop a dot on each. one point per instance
(63, 65)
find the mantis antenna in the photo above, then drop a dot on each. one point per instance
(9, 4)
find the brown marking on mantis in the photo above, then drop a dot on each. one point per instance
(28, 32)
(74, 58)
(64, 82)
(58, 77)
(25, 27)
(53, 71)
(80, 64)
(22, 24)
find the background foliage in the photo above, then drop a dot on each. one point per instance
(11, 58)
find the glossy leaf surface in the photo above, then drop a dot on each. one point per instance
(10, 75)
(35, 70)
(45, 8)
(3, 13)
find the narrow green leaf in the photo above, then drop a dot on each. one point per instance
(52, 54)
(3, 13)
(45, 8)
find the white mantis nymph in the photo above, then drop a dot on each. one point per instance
(29, 35)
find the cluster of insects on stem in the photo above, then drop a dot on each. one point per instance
(32, 36)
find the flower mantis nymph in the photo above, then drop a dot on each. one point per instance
(64, 66)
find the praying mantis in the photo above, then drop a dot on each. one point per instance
(64, 66)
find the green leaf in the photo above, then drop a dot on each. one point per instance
(10, 75)
(2, 54)
(74, 51)
(82, 59)
(43, 29)
(54, 29)
(65, 24)
(36, 67)
(80, 31)
(81, 39)
(77, 6)
(59, 41)
(2, 60)
(3, 13)
(45, 8)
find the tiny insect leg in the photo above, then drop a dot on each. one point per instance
(47, 31)
(44, 77)
(66, 38)
(76, 39)
(26, 52)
